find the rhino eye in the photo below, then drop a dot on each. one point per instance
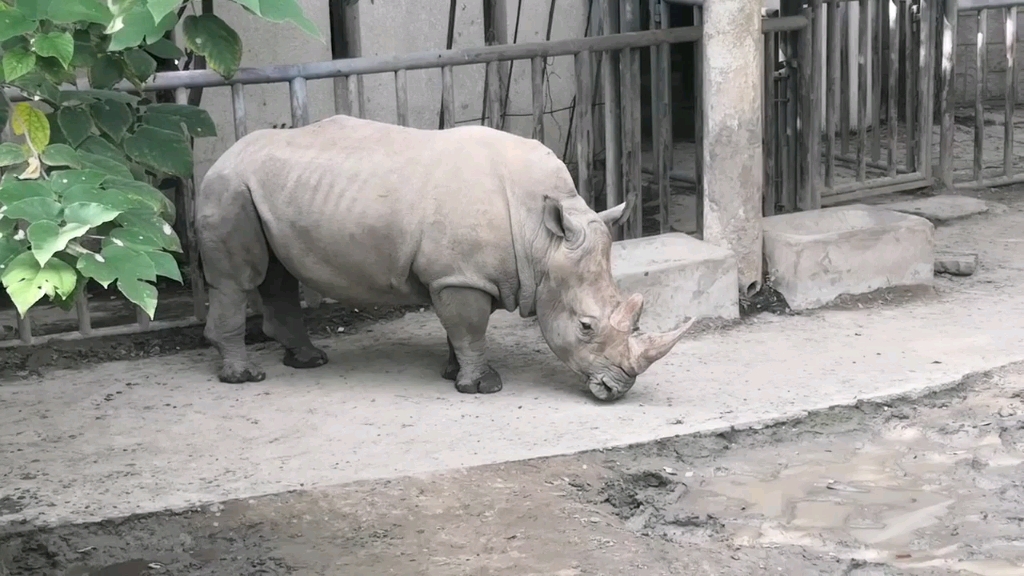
(586, 326)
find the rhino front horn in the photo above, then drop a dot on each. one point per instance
(649, 348)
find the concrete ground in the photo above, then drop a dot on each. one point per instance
(139, 437)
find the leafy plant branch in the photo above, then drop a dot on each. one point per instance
(77, 194)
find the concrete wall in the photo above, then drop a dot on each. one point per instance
(965, 74)
(389, 28)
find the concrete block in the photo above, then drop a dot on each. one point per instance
(679, 276)
(941, 208)
(815, 256)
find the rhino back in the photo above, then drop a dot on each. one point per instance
(367, 212)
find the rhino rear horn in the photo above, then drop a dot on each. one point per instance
(627, 315)
(647, 349)
(612, 215)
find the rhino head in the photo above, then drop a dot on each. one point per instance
(587, 322)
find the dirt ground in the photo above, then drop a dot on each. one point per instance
(931, 486)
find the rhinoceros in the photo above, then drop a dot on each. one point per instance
(467, 220)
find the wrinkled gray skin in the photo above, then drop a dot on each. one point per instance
(468, 220)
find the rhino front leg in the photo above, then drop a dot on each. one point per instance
(464, 313)
(282, 317)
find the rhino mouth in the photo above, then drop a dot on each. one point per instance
(607, 389)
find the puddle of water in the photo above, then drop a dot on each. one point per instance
(884, 501)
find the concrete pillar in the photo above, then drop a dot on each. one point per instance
(732, 58)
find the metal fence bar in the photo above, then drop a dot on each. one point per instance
(981, 64)
(300, 117)
(238, 110)
(584, 130)
(537, 81)
(771, 125)
(947, 130)
(845, 96)
(875, 44)
(448, 97)
(82, 309)
(1010, 83)
(698, 113)
(188, 192)
(494, 96)
(893, 75)
(612, 117)
(630, 99)
(910, 57)
(925, 88)
(863, 39)
(401, 98)
(831, 92)
(101, 332)
(342, 98)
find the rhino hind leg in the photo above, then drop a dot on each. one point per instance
(451, 370)
(282, 317)
(464, 313)
(233, 252)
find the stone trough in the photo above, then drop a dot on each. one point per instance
(680, 277)
(813, 257)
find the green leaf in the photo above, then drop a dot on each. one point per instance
(197, 120)
(18, 190)
(11, 153)
(211, 37)
(165, 25)
(59, 45)
(165, 265)
(140, 64)
(161, 8)
(136, 23)
(14, 23)
(60, 155)
(36, 83)
(146, 231)
(71, 11)
(10, 249)
(55, 71)
(112, 117)
(141, 294)
(140, 194)
(34, 9)
(27, 282)
(5, 111)
(100, 147)
(89, 214)
(17, 63)
(76, 123)
(160, 149)
(63, 181)
(288, 11)
(104, 164)
(31, 123)
(112, 199)
(45, 239)
(106, 72)
(89, 96)
(164, 48)
(33, 210)
(115, 262)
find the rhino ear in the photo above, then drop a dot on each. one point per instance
(560, 224)
(553, 220)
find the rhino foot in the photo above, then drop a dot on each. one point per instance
(488, 383)
(451, 371)
(241, 373)
(304, 358)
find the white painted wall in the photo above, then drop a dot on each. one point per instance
(389, 28)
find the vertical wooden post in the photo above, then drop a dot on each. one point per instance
(698, 117)
(447, 98)
(188, 191)
(892, 123)
(631, 128)
(981, 65)
(584, 124)
(864, 46)
(401, 98)
(537, 81)
(925, 85)
(612, 118)
(831, 93)
(1010, 93)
